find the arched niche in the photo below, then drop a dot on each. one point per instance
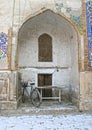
(65, 52)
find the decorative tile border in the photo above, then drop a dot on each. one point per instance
(79, 23)
(3, 45)
(76, 19)
(68, 9)
(89, 30)
(59, 6)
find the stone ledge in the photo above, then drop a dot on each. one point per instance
(8, 105)
(46, 108)
(85, 105)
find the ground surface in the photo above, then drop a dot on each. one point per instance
(47, 122)
(49, 116)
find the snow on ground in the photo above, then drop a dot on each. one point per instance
(47, 122)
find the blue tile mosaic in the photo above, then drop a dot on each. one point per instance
(68, 10)
(76, 19)
(3, 45)
(89, 30)
(79, 22)
(59, 6)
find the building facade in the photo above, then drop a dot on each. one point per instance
(50, 43)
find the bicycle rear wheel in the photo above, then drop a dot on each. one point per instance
(36, 98)
(23, 97)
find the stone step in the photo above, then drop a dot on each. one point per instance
(46, 108)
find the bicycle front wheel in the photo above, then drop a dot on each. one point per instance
(36, 98)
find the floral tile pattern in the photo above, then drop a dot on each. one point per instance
(76, 19)
(3, 45)
(89, 30)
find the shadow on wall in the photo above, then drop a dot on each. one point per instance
(67, 93)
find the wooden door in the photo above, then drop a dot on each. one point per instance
(43, 80)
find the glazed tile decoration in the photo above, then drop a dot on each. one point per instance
(3, 45)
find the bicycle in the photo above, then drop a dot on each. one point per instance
(34, 93)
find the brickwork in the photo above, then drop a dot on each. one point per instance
(85, 38)
(85, 75)
(9, 48)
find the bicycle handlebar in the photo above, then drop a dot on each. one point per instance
(32, 83)
(26, 84)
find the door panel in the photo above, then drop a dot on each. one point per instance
(43, 80)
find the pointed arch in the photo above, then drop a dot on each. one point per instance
(43, 10)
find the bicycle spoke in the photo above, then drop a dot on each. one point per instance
(36, 98)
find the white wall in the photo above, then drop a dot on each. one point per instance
(65, 50)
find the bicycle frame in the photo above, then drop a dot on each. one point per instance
(26, 85)
(34, 93)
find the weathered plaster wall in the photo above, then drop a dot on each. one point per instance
(64, 45)
(29, 8)
(85, 91)
(15, 13)
(8, 93)
(6, 8)
(72, 10)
